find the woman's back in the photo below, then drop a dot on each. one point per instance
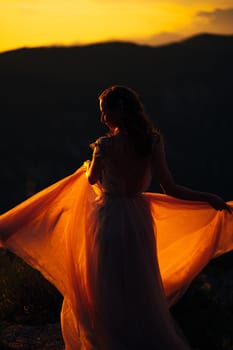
(124, 171)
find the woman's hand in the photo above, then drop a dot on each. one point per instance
(93, 169)
(87, 164)
(218, 203)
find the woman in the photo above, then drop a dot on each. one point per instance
(97, 236)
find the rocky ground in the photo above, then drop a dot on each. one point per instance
(24, 337)
(204, 314)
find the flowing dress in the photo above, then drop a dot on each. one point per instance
(120, 256)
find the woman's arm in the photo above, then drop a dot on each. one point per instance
(94, 167)
(169, 186)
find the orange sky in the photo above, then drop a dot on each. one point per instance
(54, 22)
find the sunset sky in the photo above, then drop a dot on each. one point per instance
(64, 22)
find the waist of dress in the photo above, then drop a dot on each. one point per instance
(123, 195)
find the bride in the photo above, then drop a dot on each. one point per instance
(119, 255)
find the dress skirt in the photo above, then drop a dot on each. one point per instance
(119, 262)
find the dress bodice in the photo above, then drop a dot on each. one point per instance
(123, 172)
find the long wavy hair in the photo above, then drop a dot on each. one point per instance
(134, 120)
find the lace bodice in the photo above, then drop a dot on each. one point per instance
(124, 172)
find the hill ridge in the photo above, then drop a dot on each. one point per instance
(202, 37)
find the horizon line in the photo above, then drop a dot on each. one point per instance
(135, 42)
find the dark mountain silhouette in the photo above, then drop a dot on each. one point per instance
(49, 109)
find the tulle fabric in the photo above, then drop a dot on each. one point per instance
(102, 253)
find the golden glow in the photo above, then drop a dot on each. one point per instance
(51, 22)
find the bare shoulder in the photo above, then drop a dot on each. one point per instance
(102, 140)
(101, 145)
